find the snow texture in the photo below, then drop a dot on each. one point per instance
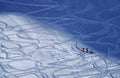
(44, 39)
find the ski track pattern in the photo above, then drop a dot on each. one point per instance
(29, 50)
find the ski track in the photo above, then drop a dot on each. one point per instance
(29, 49)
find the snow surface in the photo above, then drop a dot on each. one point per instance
(29, 49)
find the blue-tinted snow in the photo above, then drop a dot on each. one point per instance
(43, 38)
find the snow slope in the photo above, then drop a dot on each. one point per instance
(31, 49)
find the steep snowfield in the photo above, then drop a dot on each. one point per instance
(29, 49)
